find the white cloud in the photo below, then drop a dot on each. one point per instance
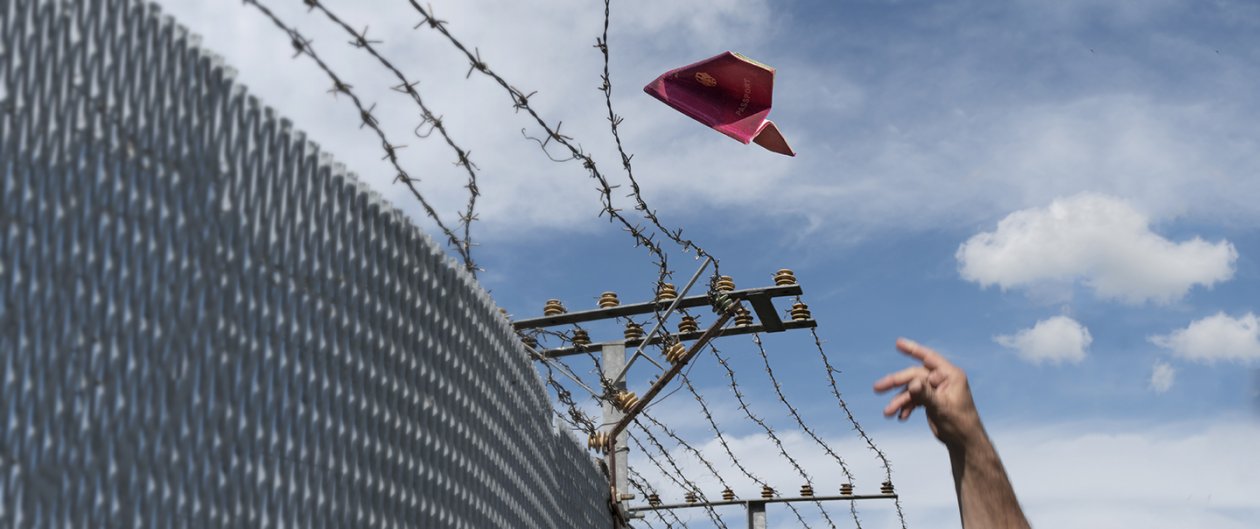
(1100, 241)
(1215, 338)
(1055, 340)
(1162, 377)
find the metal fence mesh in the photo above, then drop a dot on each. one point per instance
(206, 322)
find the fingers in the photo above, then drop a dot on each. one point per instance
(931, 359)
(898, 402)
(900, 378)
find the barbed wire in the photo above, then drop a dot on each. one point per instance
(677, 476)
(435, 123)
(637, 481)
(685, 445)
(743, 405)
(302, 46)
(835, 390)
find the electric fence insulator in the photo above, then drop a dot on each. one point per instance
(666, 292)
(608, 300)
(807, 490)
(728, 494)
(529, 341)
(722, 303)
(743, 318)
(800, 312)
(675, 352)
(767, 492)
(553, 307)
(688, 325)
(581, 337)
(691, 497)
(634, 331)
(886, 488)
(846, 489)
(784, 277)
(625, 400)
(654, 500)
(505, 314)
(598, 441)
(724, 284)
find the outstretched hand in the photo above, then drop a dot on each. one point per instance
(941, 389)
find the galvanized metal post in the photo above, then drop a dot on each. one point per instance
(614, 359)
(756, 515)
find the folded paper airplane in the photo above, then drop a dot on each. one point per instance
(729, 93)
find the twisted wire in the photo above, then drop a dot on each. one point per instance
(640, 484)
(302, 46)
(428, 117)
(678, 477)
(685, 445)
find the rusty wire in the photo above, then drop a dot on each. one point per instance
(302, 46)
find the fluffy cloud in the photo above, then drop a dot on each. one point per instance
(1055, 340)
(1099, 241)
(1215, 338)
(1162, 377)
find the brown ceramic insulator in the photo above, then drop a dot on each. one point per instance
(886, 488)
(724, 284)
(634, 331)
(767, 492)
(529, 341)
(807, 490)
(800, 311)
(743, 318)
(626, 400)
(728, 494)
(675, 352)
(666, 292)
(608, 300)
(688, 325)
(784, 277)
(691, 497)
(581, 337)
(598, 441)
(553, 307)
(846, 489)
(654, 500)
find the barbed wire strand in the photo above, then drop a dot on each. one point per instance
(302, 46)
(743, 405)
(640, 483)
(614, 122)
(428, 117)
(677, 476)
(778, 390)
(686, 446)
(835, 390)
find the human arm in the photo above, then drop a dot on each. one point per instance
(985, 496)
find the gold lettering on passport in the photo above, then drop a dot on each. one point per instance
(743, 102)
(705, 79)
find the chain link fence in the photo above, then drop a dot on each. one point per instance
(205, 322)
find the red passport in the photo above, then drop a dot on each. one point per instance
(729, 93)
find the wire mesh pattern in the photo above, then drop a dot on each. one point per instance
(204, 321)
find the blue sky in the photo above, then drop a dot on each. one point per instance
(1060, 196)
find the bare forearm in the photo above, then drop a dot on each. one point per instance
(985, 496)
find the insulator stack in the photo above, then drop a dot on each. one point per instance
(634, 331)
(728, 494)
(608, 300)
(598, 441)
(675, 352)
(743, 318)
(687, 325)
(807, 490)
(722, 303)
(691, 497)
(654, 500)
(784, 277)
(529, 341)
(581, 337)
(724, 284)
(846, 489)
(767, 492)
(800, 311)
(553, 307)
(665, 292)
(886, 488)
(625, 400)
